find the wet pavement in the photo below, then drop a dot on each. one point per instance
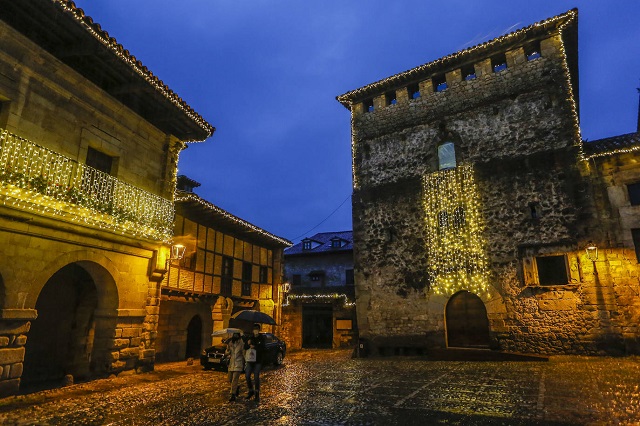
(330, 388)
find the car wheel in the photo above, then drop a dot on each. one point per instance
(279, 358)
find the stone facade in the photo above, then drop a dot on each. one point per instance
(210, 283)
(501, 230)
(83, 250)
(318, 310)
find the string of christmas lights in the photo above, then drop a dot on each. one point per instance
(347, 302)
(35, 178)
(457, 258)
(613, 152)
(181, 196)
(111, 43)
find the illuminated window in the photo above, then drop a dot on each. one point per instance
(458, 218)
(446, 156)
(344, 324)
(552, 270)
(634, 193)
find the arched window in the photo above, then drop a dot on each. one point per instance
(446, 156)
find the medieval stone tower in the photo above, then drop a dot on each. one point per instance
(474, 203)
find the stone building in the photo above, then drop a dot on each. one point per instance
(481, 219)
(89, 141)
(319, 308)
(228, 265)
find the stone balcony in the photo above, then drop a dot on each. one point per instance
(35, 178)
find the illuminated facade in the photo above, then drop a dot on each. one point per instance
(89, 142)
(319, 308)
(475, 200)
(229, 265)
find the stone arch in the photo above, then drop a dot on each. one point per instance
(466, 321)
(77, 313)
(100, 267)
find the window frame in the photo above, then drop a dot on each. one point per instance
(446, 165)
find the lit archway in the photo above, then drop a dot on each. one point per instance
(466, 321)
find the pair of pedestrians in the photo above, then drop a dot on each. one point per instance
(246, 356)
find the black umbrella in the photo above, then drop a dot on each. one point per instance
(254, 316)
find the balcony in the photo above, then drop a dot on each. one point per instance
(35, 178)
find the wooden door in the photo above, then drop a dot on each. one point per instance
(466, 321)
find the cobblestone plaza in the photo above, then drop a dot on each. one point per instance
(330, 388)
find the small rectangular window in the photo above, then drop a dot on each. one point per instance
(226, 283)
(413, 91)
(439, 83)
(99, 160)
(469, 72)
(634, 193)
(499, 63)
(306, 245)
(390, 98)
(532, 51)
(247, 278)
(552, 270)
(264, 274)
(368, 105)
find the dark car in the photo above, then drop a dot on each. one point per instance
(214, 356)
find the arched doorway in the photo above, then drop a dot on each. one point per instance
(194, 337)
(466, 321)
(68, 337)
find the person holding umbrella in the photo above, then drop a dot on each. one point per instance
(255, 350)
(235, 350)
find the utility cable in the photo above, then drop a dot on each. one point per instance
(325, 219)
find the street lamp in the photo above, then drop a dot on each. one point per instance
(177, 252)
(592, 251)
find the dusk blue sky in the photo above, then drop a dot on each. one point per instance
(266, 73)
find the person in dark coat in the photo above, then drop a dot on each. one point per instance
(254, 341)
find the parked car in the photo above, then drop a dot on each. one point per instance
(214, 356)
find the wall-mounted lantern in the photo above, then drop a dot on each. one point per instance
(286, 287)
(177, 251)
(592, 251)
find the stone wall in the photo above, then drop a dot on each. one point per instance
(537, 197)
(172, 327)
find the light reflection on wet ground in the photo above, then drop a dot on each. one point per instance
(330, 388)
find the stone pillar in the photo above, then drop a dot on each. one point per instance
(221, 313)
(515, 57)
(453, 77)
(426, 87)
(14, 326)
(483, 68)
(357, 109)
(402, 95)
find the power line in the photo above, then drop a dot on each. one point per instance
(325, 219)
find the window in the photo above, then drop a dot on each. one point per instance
(349, 277)
(413, 91)
(226, 285)
(99, 161)
(296, 279)
(469, 72)
(459, 218)
(317, 277)
(368, 105)
(552, 270)
(534, 210)
(247, 269)
(390, 98)
(439, 83)
(635, 233)
(499, 63)
(634, 193)
(264, 274)
(306, 245)
(532, 51)
(446, 156)
(336, 243)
